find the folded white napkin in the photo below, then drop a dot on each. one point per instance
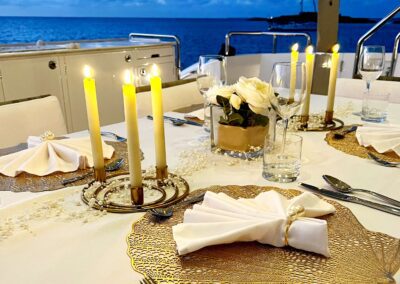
(383, 138)
(221, 219)
(49, 156)
(199, 114)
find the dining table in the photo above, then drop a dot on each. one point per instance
(75, 244)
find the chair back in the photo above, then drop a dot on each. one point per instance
(32, 117)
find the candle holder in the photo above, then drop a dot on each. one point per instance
(116, 195)
(99, 174)
(161, 173)
(137, 196)
(314, 122)
(328, 117)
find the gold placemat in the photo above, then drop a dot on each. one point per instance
(358, 255)
(27, 182)
(349, 145)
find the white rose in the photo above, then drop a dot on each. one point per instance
(224, 91)
(235, 101)
(256, 93)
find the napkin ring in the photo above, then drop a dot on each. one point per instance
(47, 135)
(295, 213)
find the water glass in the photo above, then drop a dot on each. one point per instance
(211, 72)
(374, 107)
(282, 163)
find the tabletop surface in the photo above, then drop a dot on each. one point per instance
(93, 250)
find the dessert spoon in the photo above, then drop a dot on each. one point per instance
(166, 212)
(345, 188)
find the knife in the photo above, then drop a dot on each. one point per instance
(179, 120)
(353, 199)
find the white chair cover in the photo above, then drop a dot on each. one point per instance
(30, 118)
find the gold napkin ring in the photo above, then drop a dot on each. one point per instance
(295, 213)
(48, 135)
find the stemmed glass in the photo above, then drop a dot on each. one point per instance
(371, 66)
(211, 72)
(289, 83)
(371, 63)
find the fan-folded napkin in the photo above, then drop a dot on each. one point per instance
(221, 219)
(49, 156)
(383, 138)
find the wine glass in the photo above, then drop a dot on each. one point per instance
(289, 83)
(371, 63)
(211, 72)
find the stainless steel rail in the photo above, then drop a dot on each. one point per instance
(367, 35)
(394, 55)
(157, 36)
(273, 34)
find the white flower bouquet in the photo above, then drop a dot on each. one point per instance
(244, 104)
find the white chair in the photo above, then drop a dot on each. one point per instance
(32, 117)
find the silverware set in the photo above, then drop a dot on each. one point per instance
(345, 192)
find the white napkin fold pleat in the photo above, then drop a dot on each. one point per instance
(221, 219)
(383, 138)
(43, 158)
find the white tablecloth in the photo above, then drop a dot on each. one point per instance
(74, 251)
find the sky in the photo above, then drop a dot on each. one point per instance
(185, 8)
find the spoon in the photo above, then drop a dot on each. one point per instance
(341, 134)
(175, 121)
(166, 212)
(344, 187)
(113, 166)
(113, 135)
(382, 161)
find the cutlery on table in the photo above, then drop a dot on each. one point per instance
(114, 136)
(382, 161)
(353, 199)
(148, 280)
(166, 212)
(345, 188)
(178, 121)
(113, 166)
(342, 133)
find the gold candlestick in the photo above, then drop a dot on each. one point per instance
(161, 173)
(328, 117)
(137, 197)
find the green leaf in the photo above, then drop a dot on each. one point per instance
(222, 101)
(235, 119)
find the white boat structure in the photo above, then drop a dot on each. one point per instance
(55, 68)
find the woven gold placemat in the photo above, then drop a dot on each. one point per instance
(358, 255)
(27, 182)
(349, 145)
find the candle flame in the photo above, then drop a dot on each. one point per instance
(335, 48)
(128, 77)
(309, 49)
(295, 47)
(155, 71)
(87, 71)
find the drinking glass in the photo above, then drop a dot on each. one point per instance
(211, 72)
(289, 83)
(371, 66)
(282, 165)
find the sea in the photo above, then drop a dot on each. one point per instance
(198, 36)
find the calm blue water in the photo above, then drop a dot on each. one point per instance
(198, 36)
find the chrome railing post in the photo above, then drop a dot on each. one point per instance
(394, 55)
(367, 35)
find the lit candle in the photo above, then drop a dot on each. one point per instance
(332, 78)
(309, 75)
(294, 57)
(134, 156)
(89, 86)
(158, 118)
